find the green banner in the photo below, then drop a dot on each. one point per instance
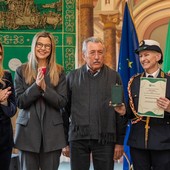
(21, 20)
(44, 1)
(166, 58)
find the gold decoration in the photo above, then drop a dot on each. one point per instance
(147, 131)
(110, 20)
(12, 39)
(69, 40)
(139, 118)
(25, 14)
(70, 53)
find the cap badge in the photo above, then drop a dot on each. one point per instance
(142, 43)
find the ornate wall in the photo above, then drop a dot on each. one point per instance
(150, 18)
(21, 20)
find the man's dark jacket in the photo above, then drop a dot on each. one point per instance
(91, 116)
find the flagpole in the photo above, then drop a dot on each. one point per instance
(128, 65)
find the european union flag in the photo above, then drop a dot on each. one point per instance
(128, 66)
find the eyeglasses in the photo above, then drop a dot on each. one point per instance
(41, 45)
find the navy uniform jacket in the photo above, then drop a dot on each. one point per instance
(6, 112)
(159, 128)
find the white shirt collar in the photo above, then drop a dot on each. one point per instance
(88, 68)
(155, 74)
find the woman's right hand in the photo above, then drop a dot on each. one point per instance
(40, 79)
(4, 94)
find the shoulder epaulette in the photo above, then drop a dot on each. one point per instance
(138, 74)
(134, 76)
(168, 73)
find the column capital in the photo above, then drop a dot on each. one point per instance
(110, 20)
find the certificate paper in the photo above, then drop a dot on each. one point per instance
(150, 90)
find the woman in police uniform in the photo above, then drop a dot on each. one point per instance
(149, 138)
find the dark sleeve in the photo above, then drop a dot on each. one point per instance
(59, 93)
(26, 95)
(66, 111)
(69, 80)
(66, 122)
(121, 121)
(11, 109)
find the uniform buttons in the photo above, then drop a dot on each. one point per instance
(167, 123)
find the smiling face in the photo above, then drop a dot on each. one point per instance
(94, 56)
(149, 60)
(43, 49)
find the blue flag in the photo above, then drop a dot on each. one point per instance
(128, 66)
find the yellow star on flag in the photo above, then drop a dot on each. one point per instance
(129, 63)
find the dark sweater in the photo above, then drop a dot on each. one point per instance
(90, 114)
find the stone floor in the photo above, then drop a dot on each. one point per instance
(65, 165)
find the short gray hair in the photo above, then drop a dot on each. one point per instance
(91, 39)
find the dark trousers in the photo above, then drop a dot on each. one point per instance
(5, 158)
(102, 155)
(150, 159)
(42, 160)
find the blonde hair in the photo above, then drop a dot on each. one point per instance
(1, 66)
(30, 69)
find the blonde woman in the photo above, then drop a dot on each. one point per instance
(7, 110)
(40, 88)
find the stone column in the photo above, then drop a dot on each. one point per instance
(85, 24)
(110, 22)
(118, 40)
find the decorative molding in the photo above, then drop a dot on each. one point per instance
(17, 15)
(110, 20)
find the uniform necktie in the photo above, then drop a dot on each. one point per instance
(150, 76)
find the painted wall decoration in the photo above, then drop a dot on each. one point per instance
(20, 20)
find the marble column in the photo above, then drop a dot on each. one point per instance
(85, 24)
(110, 21)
